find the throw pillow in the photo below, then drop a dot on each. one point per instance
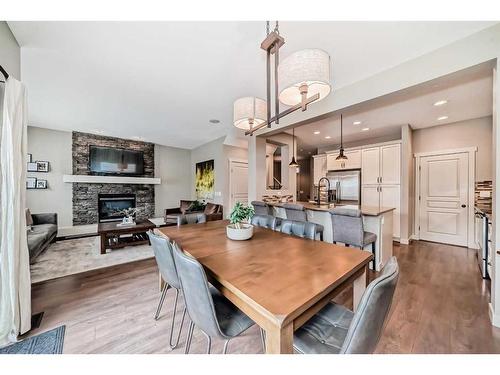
(29, 218)
(211, 208)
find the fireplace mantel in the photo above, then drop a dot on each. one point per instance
(90, 179)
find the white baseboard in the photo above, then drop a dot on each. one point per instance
(495, 318)
(404, 241)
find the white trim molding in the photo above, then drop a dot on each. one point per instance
(495, 318)
(90, 179)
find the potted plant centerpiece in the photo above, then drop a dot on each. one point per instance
(238, 230)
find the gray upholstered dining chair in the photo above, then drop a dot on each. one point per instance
(266, 221)
(209, 310)
(297, 212)
(304, 229)
(347, 227)
(162, 249)
(261, 208)
(337, 330)
(194, 218)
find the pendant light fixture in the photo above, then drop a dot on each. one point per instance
(299, 80)
(341, 155)
(293, 163)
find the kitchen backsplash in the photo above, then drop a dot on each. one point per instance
(483, 196)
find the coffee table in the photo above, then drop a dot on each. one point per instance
(115, 236)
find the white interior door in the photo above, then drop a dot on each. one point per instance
(444, 181)
(238, 182)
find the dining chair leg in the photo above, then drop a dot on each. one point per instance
(209, 344)
(189, 337)
(174, 345)
(162, 298)
(263, 339)
(374, 256)
(224, 351)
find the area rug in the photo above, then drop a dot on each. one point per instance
(69, 257)
(50, 342)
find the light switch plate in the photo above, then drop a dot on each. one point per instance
(485, 194)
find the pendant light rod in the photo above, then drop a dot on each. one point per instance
(341, 142)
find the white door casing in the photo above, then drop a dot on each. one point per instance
(238, 182)
(444, 198)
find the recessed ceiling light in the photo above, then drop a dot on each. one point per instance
(442, 118)
(316, 132)
(365, 129)
(440, 102)
(356, 123)
(328, 137)
(214, 121)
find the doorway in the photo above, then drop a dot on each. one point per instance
(238, 182)
(445, 197)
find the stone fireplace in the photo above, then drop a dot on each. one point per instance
(86, 203)
(111, 206)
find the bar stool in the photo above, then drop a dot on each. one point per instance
(297, 212)
(347, 227)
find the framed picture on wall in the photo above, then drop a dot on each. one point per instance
(31, 183)
(41, 184)
(43, 166)
(205, 179)
(32, 167)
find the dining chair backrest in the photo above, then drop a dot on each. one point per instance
(261, 208)
(368, 321)
(164, 257)
(197, 296)
(295, 212)
(197, 218)
(347, 226)
(304, 229)
(266, 221)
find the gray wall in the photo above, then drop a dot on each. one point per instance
(173, 166)
(477, 132)
(10, 53)
(55, 147)
(221, 154)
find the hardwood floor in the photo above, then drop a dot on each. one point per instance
(440, 306)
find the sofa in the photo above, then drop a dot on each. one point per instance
(42, 233)
(212, 211)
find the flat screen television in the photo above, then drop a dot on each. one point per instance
(115, 161)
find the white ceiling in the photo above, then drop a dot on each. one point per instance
(163, 81)
(469, 95)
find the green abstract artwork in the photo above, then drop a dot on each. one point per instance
(205, 179)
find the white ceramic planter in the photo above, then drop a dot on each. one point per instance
(242, 234)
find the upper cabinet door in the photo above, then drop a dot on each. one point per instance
(353, 159)
(390, 166)
(332, 164)
(319, 168)
(370, 166)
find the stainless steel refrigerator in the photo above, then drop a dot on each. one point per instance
(346, 186)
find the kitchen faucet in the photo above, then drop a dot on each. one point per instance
(319, 190)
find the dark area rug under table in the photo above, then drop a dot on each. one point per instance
(50, 342)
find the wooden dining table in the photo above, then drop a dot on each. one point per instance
(278, 280)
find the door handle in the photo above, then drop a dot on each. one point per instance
(464, 205)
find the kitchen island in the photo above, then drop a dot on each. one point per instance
(378, 220)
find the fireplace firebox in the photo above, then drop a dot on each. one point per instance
(111, 206)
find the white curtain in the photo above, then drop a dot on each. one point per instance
(15, 284)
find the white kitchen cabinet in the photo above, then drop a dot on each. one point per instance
(353, 160)
(370, 166)
(390, 164)
(370, 195)
(390, 197)
(319, 167)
